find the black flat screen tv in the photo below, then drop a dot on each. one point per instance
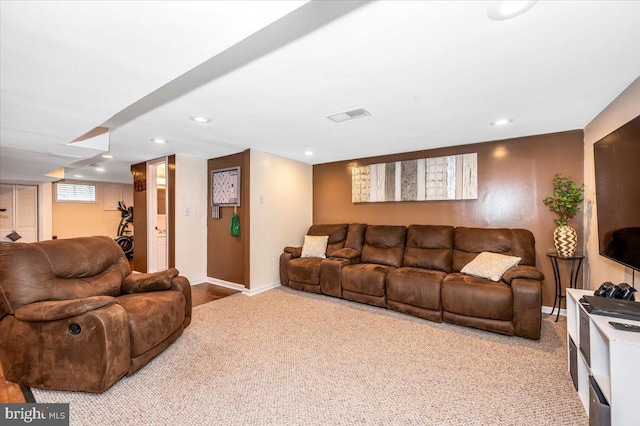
(617, 173)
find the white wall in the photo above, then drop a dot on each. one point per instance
(191, 229)
(45, 211)
(281, 212)
(624, 108)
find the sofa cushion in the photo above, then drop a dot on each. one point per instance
(315, 246)
(337, 235)
(429, 247)
(365, 278)
(305, 270)
(415, 286)
(355, 236)
(490, 265)
(468, 242)
(384, 245)
(477, 297)
(152, 317)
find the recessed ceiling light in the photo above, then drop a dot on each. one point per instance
(78, 176)
(501, 122)
(107, 156)
(200, 119)
(99, 169)
(308, 153)
(501, 10)
(157, 140)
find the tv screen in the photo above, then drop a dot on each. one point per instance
(617, 170)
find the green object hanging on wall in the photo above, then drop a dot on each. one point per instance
(234, 229)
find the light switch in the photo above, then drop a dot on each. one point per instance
(186, 211)
(261, 198)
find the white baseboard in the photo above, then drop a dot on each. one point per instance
(547, 310)
(255, 291)
(240, 287)
(227, 284)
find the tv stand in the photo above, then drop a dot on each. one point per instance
(610, 356)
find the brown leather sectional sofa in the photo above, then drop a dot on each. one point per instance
(74, 317)
(416, 270)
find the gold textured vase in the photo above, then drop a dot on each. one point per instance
(565, 238)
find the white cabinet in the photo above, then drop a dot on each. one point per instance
(162, 252)
(19, 212)
(613, 360)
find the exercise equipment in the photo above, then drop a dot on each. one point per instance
(124, 238)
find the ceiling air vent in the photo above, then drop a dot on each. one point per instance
(348, 115)
(66, 156)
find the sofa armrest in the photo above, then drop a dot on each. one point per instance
(155, 281)
(527, 307)
(294, 251)
(183, 285)
(284, 271)
(523, 271)
(59, 309)
(348, 254)
(330, 274)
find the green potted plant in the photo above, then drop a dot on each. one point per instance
(565, 202)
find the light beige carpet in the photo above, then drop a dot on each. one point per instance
(286, 357)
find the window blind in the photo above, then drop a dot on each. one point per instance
(76, 192)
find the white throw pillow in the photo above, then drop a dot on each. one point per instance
(315, 246)
(490, 265)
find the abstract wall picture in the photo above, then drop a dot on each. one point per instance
(454, 177)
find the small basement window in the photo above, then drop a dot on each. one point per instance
(76, 192)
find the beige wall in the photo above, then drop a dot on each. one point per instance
(624, 108)
(86, 219)
(190, 233)
(281, 212)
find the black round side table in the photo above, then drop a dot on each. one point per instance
(576, 262)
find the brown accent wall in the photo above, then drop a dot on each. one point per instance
(139, 172)
(514, 175)
(228, 256)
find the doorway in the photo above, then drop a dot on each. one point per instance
(157, 216)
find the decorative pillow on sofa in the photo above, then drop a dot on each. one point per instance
(315, 246)
(490, 265)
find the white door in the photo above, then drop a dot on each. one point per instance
(157, 216)
(19, 213)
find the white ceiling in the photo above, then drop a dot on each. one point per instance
(268, 73)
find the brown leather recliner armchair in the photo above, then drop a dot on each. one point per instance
(74, 317)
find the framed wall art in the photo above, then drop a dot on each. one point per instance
(225, 187)
(454, 177)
